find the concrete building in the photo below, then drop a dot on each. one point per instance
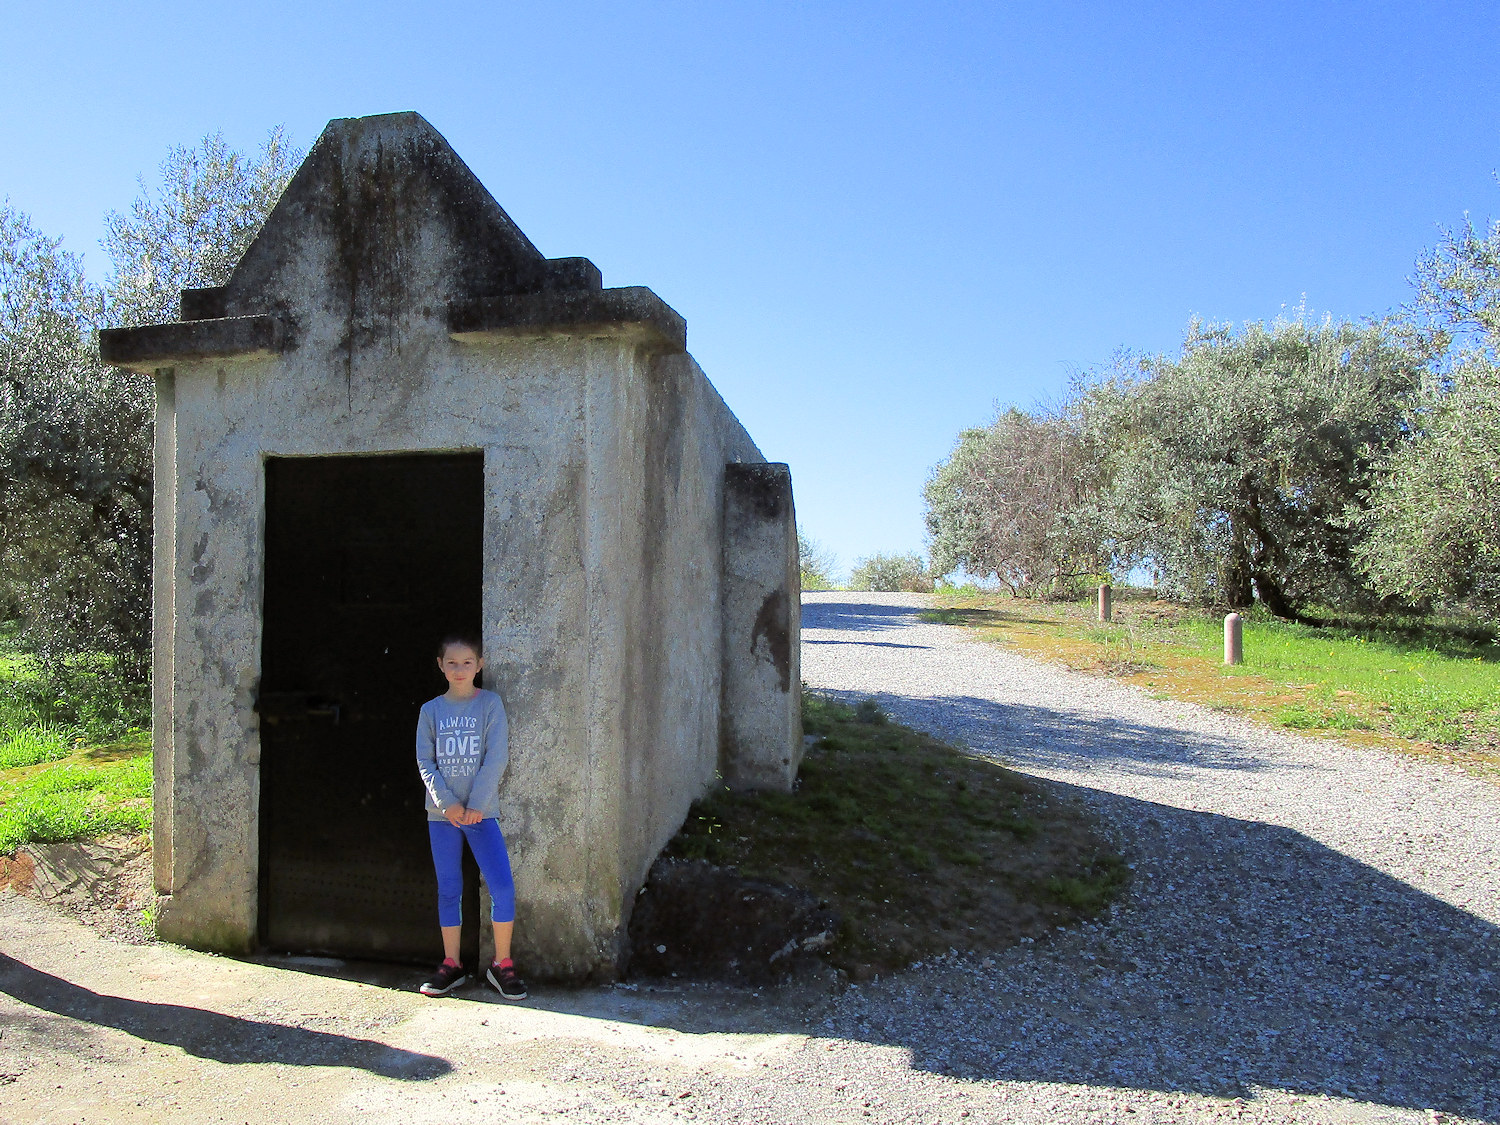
(396, 418)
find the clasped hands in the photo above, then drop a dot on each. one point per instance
(458, 816)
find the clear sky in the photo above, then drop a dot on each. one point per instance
(879, 219)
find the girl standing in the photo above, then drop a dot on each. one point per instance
(462, 755)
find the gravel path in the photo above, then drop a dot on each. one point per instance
(1311, 933)
(1310, 937)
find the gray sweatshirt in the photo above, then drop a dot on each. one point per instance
(462, 753)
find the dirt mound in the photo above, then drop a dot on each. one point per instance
(105, 882)
(697, 920)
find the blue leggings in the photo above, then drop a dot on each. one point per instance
(488, 846)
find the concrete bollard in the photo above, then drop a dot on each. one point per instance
(1106, 610)
(1234, 639)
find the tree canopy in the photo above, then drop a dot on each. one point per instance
(190, 231)
(1232, 470)
(76, 435)
(1291, 463)
(1015, 500)
(1433, 525)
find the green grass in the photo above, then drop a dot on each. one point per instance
(1434, 682)
(76, 800)
(919, 846)
(1432, 687)
(75, 757)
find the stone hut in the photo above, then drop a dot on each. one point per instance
(397, 418)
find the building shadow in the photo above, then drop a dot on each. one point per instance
(212, 1035)
(1245, 955)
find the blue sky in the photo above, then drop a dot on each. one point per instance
(879, 219)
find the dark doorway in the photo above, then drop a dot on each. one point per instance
(368, 561)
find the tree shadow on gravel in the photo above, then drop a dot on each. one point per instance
(857, 616)
(1244, 955)
(1031, 737)
(213, 1035)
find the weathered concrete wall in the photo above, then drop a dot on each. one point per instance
(761, 594)
(365, 320)
(674, 683)
(531, 424)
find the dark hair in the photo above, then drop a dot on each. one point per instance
(459, 637)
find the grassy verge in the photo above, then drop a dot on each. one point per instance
(92, 792)
(75, 757)
(1430, 688)
(920, 847)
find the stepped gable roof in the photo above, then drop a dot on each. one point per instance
(376, 194)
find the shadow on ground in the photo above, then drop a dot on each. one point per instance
(212, 1035)
(1030, 737)
(856, 616)
(1245, 955)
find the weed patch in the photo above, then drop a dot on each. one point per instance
(33, 744)
(919, 846)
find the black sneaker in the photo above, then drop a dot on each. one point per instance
(503, 979)
(445, 980)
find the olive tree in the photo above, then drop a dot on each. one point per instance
(1238, 469)
(1015, 500)
(1433, 526)
(899, 572)
(75, 435)
(816, 562)
(75, 473)
(190, 231)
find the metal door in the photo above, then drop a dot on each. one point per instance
(368, 561)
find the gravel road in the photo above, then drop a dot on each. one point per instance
(1310, 937)
(1312, 927)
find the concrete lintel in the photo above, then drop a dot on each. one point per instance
(161, 345)
(573, 273)
(634, 311)
(203, 304)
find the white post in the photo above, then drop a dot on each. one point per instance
(1106, 610)
(1234, 639)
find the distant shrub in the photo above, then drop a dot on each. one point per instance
(816, 562)
(906, 573)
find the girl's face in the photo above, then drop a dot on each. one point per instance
(460, 664)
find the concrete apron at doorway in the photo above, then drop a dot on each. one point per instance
(98, 1029)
